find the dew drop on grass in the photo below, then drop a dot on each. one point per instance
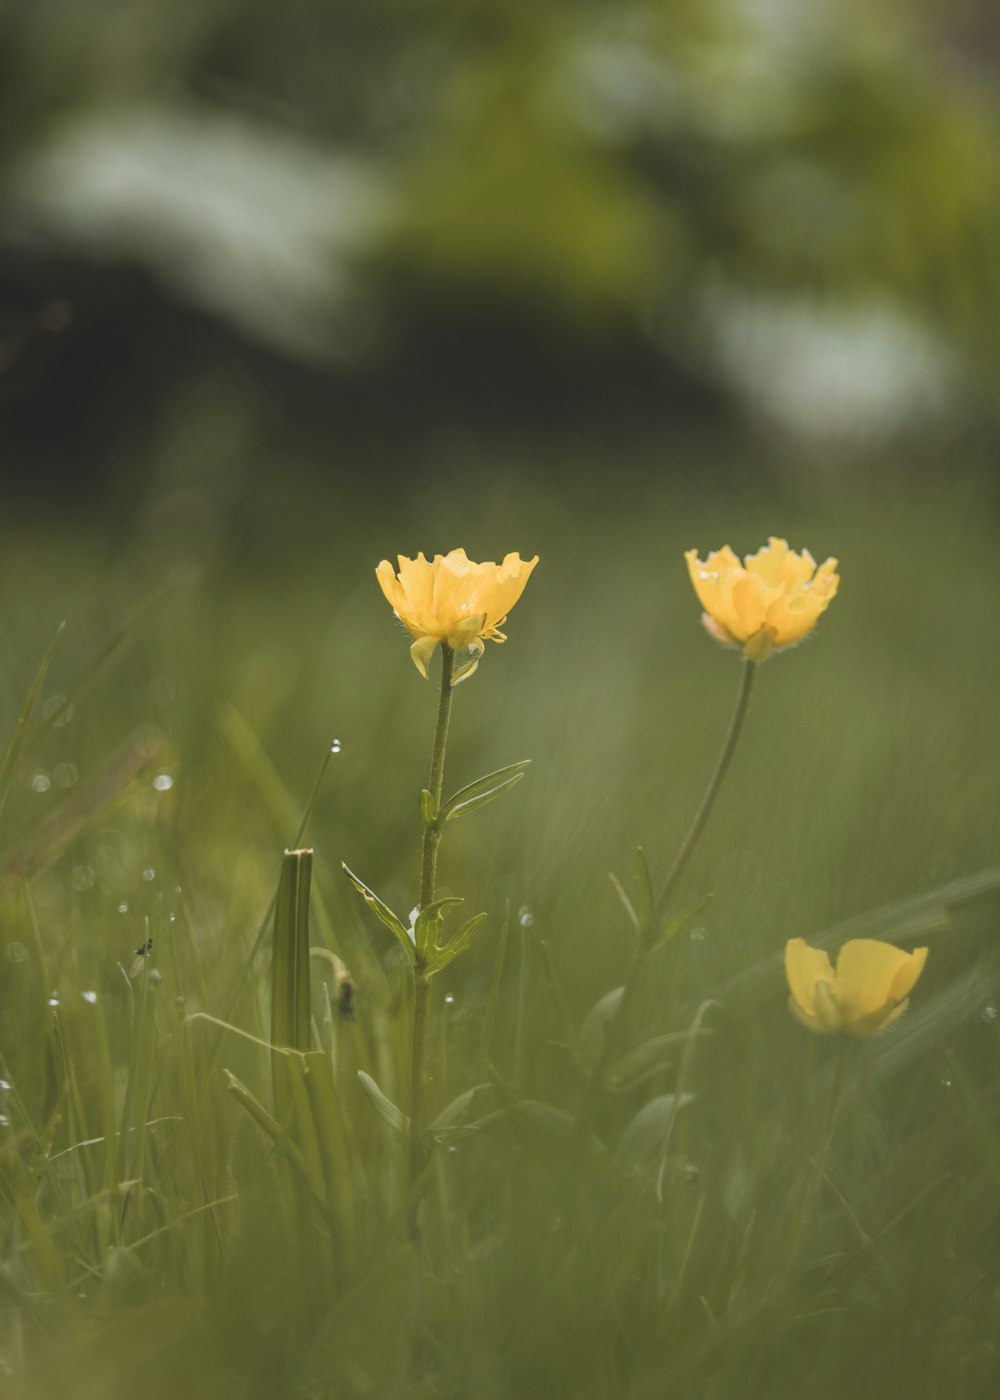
(40, 782)
(990, 1013)
(698, 934)
(90, 998)
(4, 1121)
(527, 917)
(4, 1086)
(945, 1083)
(123, 908)
(149, 873)
(335, 746)
(53, 1000)
(449, 999)
(163, 782)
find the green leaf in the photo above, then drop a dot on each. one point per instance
(674, 926)
(427, 929)
(645, 1059)
(428, 810)
(384, 1106)
(291, 1003)
(483, 790)
(649, 1129)
(645, 901)
(382, 912)
(451, 1117)
(441, 957)
(545, 1115)
(590, 1042)
(627, 904)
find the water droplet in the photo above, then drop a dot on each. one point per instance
(90, 998)
(945, 1083)
(163, 782)
(154, 974)
(335, 746)
(526, 916)
(82, 877)
(698, 934)
(4, 1121)
(4, 1086)
(53, 1000)
(990, 1013)
(66, 774)
(40, 782)
(179, 1001)
(123, 908)
(17, 952)
(149, 873)
(449, 999)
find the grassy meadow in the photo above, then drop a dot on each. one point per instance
(726, 1206)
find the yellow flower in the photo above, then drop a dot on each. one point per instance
(453, 600)
(868, 990)
(772, 600)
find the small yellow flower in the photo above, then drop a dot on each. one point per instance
(868, 990)
(453, 600)
(772, 600)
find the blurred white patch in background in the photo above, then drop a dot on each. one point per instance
(851, 372)
(258, 227)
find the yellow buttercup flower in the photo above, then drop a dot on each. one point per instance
(867, 991)
(453, 600)
(772, 600)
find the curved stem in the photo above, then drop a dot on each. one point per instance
(712, 791)
(619, 1020)
(428, 877)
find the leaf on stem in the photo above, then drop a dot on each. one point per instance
(384, 1106)
(441, 957)
(382, 912)
(483, 790)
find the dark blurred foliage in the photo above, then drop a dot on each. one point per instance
(374, 226)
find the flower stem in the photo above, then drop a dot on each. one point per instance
(617, 1025)
(428, 877)
(712, 791)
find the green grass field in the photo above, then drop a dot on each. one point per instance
(739, 1208)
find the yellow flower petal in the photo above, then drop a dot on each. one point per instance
(776, 587)
(453, 599)
(804, 968)
(867, 970)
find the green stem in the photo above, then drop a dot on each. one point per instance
(619, 1021)
(428, 877)
(712, 791)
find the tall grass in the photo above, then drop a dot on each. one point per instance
(201, 1193)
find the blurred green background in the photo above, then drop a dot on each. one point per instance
(286, 291)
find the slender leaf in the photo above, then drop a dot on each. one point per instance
(483, 790)
(382, 912)
(649, 1128)
(427, 928)
(443, 956)
(428, 811)
(680, 921)
(646, 1059)
(590, 1042)
(384, 1106)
